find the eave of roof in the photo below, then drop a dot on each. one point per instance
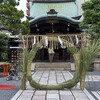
(46, 17)
(52, 1)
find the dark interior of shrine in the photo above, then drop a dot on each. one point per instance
(60, 55)
(54, 25)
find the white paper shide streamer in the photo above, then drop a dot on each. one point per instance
(34, 40)
(60, 40)
(46, 41)
(76, 39)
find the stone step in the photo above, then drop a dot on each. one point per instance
(53, 69)
(53, 66)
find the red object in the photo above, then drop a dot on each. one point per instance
(7, 87)
(5, 70)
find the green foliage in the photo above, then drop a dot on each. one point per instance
(91, 21)
(10, 18)
(11, 2)
(4, 38)
(89, 53)
(25, 27)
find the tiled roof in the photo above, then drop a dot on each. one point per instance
(53, 1)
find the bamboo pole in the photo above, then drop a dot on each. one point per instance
(81, 60)
(24, 73)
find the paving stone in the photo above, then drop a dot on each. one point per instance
(28, 91)
(43, 79)
(82, 98)
(67, 97)
(52, 92)
(65, 92)
(79, 95)
(60, 78)
(52, 83)
(24, 98)
(50, 77)
(52, 96)
(29, 87)
(26, 95)
(38, 77)
(43, 82)
(38, 98)
(40, 93)
(52, 99)
(59, 75)
(77, 91)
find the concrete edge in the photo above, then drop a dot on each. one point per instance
(15, 97)
(70, 74)
(96, 94)
(88, 94)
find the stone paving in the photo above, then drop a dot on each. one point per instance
(52, 78)
(92, 78)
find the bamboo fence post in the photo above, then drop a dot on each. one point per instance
(25, 60)
(81, 59)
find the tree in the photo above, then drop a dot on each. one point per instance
(4, 39)
(10, 17)
(25, 27)
(91, 21)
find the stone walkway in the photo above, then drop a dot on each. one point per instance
(92, 78)
(52, 78)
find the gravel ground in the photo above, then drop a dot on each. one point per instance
(8, 94)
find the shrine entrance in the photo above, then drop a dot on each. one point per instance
(60, 55)
(54, 26)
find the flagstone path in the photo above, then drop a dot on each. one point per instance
(52, 78)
